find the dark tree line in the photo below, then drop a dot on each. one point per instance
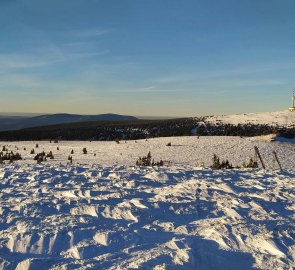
(142, 129)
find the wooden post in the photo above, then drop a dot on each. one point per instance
(277, 160)
(259, 156)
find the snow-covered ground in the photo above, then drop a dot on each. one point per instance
(102, 212)
(191, 150)
(281, 118)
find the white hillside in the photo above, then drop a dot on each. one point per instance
(281, 118)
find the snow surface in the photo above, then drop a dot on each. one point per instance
(106, 213)
(190, 150)
(281, 118)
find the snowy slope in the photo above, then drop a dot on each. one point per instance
(282, 118)
(105, 213)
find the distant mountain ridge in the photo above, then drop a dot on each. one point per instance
(16, 123)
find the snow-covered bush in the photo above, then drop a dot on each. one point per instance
(11, 157)
(251, 164)
(50, 155)
(40, 157)
(148, 161)
(224, 164)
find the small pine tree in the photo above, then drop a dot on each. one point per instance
(224, 164)
(227, 165)
(252, 164)
(138, 162)
(215, 162)
(84, 151)
(149, 155)
(32, 152)
(148, 161)
(50, 155)
(72, 152)
(70, 159)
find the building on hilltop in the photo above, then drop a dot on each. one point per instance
(292, 108)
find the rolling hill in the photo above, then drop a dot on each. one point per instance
(280, 118)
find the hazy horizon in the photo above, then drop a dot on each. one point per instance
(152, 58)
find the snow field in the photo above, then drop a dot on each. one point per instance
(106, 213)
(145, 218)
(184, 151)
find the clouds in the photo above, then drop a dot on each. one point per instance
(241, 70)
(45, 62)
(146, 90)
(20, 61)
(91, 33)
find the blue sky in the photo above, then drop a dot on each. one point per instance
(146, 57)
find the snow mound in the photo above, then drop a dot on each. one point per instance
(178, 217)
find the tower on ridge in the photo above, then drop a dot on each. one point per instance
(292, 108)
